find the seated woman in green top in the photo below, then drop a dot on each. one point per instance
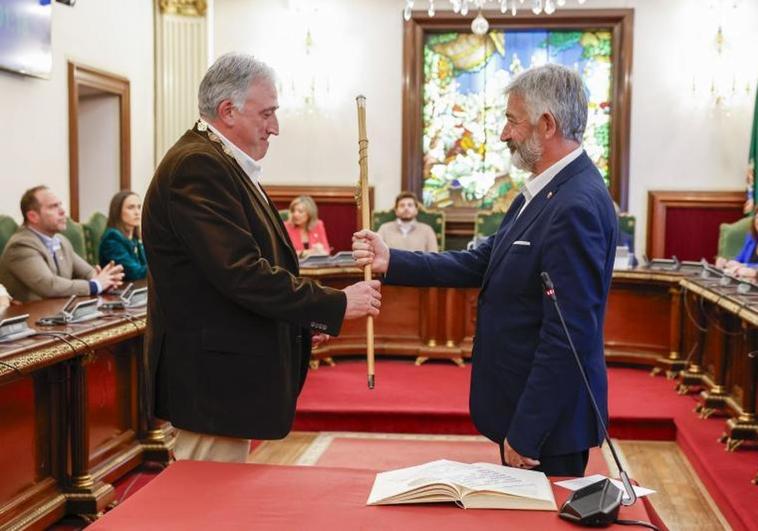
(121, 240)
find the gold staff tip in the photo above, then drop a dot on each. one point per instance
(370, 381)
(361, 100)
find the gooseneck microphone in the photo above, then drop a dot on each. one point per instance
(597, 504)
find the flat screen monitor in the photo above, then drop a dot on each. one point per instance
(25, 37)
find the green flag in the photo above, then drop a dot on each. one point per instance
(752, 160)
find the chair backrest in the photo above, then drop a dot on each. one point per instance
(75, 234)
(434, 218)
(8, 227)
(487, 223)
(627, 223)
(284, 214)
(93, 233)
(380, 217)
(732, 236)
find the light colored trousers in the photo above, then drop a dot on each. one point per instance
(191, 446)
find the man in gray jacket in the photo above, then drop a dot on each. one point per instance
(38, 263)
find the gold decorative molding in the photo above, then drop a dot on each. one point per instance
(185, 8)
(37, 513)
(738, 309)
(59, 351)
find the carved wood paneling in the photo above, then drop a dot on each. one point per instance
(660, 203)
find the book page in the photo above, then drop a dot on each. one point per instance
(393, 483)
(445, 480)
(517, 481)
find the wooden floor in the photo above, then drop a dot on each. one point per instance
(681, 500)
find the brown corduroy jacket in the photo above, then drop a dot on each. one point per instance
(229, 320)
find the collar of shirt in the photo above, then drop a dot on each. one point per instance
(406, 226)
(536, 183)
(53, 243)
(246, 162)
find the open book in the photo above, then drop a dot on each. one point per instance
(471, 486)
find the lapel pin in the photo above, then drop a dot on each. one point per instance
(550, 194)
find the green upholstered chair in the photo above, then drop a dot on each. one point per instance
(732, 236)
(284, 214)
(93, 232)
(380, 217)
(75, 234)
(487, 223)
(434, 218)
(627, 223)
(8, 227)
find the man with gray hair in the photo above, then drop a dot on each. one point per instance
(230, 322)
(526, 391)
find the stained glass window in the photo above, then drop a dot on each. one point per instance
(464, 162)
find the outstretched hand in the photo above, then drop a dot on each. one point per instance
(369, 248)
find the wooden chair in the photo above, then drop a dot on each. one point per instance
(487, 223)
(732, 237)
(93, 233)
(75, 234)
(627, 224)
(8, 227)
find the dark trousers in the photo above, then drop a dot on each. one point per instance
(564, 465)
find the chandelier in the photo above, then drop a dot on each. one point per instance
(480, 25)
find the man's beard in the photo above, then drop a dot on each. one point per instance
(525, 155)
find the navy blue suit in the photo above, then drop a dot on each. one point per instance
(525, 384)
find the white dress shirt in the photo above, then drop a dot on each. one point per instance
(536, 183)
(249, 165)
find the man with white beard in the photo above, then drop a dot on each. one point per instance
(526, 391)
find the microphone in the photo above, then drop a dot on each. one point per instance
(599, 503)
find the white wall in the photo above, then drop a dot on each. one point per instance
(112, 35)
(678, 140)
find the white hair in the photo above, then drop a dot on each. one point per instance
(229, 78)
(557, 90)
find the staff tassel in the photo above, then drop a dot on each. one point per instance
(363, 198)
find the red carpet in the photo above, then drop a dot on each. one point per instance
(433, 398)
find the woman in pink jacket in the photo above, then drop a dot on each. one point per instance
(306, 231)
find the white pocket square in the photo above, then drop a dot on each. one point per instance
(522, 242)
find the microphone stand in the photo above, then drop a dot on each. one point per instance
(606, 508)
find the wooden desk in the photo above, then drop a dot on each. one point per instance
(722, 329)
(643, 321)
(70, 416)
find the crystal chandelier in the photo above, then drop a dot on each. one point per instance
(480, 25)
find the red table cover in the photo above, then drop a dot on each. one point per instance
(203, 495)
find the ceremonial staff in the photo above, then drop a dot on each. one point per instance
(362, 199)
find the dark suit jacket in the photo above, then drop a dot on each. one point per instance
(229, 320)
(114, 245)
(525, 384)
